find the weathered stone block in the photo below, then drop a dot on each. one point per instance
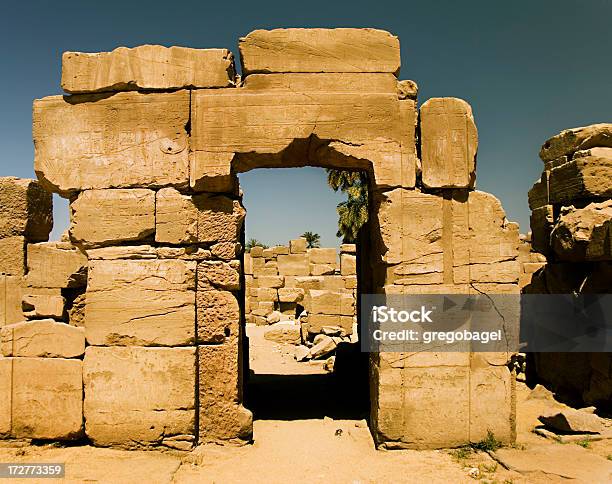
(316, 322)
(293, 294)
(217, 274)
(218, 315)
(348, 264)
(298, 246)
(43, 303)
(319, 50)
(26, 209)
(582, 178)
(584, 234)
(270, 281)
(146, 67)
(293, 265)
(42, 338)
(140, 302)
(541, 222)
(222, 416)
(94, 141)
(322, 269)
(47, 398)
(138, 396)
(12, 256)
(56, 265)
(176, 217)
(571, 140)
(449, 142)
(104, 217)
(538, 194)
(11, 294)
(348, 248)
(322, 255)
(328, 302)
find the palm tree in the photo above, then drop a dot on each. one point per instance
(254, 243)
(312, 239)
(353, 212)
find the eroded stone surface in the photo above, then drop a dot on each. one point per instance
(42, 338)
(319, 50)
(146, 67)
(26, 209)
(572, 140)
(138, 396)
(56, 265)
(12, 256)
(581, 178)
(94, 141)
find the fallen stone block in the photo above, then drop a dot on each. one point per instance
(106, 217)
(47, 398)
(26, 209)
(146, 67)
(323, 347)
(575, 139)
(449, 142)
(42, 338)
(569, 420)
(302, 353)
(318, 322)
(222, 416)
(94, 141)
(140, 302)
(582, 178)
(13, 256)
(287, 333)
(138, 396)
(319, 50)
(43, 303)
(584, 234)
(56, 265)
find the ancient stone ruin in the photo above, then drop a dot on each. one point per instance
(147, 148)
(571, 224)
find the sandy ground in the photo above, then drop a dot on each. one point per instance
(320, 449)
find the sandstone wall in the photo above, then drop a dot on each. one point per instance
(148, 152)
(571, 223)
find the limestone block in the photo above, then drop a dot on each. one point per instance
(76, 314)
(449, 142)
(256, 251)
(267, 294)
(226, 250)
(268, 253)
(13, 255)
(42, 338)
(6, 390)
(348, 264)
(348, 248)
(105, 217)
(310, 282)
(218, 315)
(43, 303)
(123, 252)
(322, 269)
(584, 234)
(222, 416)
(298, 246)
(217, 274)
(350, 282)
(541, 222)
(538, 194)
(589, 177)
(597, 151)
(11, 294)
(94, 141)
(340, 129)
(47, 398)
(26, 209)
(549, 165)
(140, 302)
(176, 217)
(280, 249)
(248, 264)
(316, 323)
(572, 140)
(322, 255)
(146, 67)
(220, 218)
(136, 396)
(56, 265)
(329, 302)
(319, 50)
(270, 281)
(381, 83)
(293, 265)
(294, 294)
(287, 333)
(333, 283)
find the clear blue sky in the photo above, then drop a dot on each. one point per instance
(528, 68)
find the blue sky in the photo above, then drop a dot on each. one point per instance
(528, 68)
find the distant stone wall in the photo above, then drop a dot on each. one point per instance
(284, 280)
(571, 224)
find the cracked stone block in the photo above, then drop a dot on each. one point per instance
(42, 338)
(575, 139)
(26, 209)
(147, 67)
(449, 142)
(140, 303)
(581, 178)
(138, 396)
(13, 255)
(56, 265)
(105, 217)
(319, 50)
(47, 398)
(127, 140)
